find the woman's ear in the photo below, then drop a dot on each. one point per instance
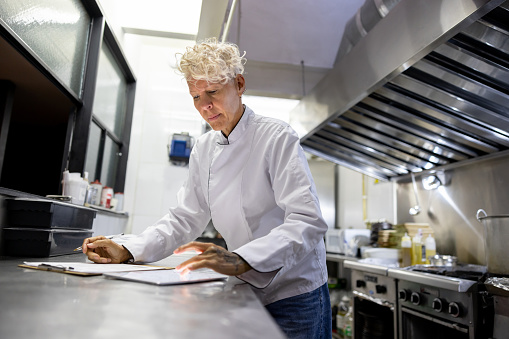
(240, 84)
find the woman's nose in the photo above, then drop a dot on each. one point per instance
(205, 104)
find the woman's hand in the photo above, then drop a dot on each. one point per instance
(212, 256)
(105, 251)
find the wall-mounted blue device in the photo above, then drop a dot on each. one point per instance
(180, 149)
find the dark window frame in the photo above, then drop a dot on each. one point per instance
(101, 31)
(123, 140)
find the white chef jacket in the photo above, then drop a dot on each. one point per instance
(256, 187)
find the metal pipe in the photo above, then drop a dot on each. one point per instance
(226, 28)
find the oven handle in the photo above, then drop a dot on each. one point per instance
(375, 300)
(435, 320)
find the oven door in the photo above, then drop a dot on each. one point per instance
(373, 320)
(417, 325)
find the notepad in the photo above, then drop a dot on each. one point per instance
(168, 277)
(87, 268)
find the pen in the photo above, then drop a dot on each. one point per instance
(60, 268)
(107, 237)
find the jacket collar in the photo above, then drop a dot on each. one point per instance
(238, 131)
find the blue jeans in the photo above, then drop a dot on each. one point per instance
(306, 316)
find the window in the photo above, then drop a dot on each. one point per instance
(110, 128)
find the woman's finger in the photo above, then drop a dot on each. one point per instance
(90, 240)
(194, 245)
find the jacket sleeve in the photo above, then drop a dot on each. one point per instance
(182, 224)
(303, 227)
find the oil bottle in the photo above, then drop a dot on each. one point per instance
(417, 248)
(406, 251)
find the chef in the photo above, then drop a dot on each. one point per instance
(248, 175)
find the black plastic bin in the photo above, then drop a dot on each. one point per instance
(40, 242)
(39, 213)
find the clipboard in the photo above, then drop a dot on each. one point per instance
(88, 269)
(168, 277)
(58, 269)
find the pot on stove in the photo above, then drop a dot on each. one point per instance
(496, 237)
(443, 260)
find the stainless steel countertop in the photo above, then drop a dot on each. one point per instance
(39, 304)
(365, 267)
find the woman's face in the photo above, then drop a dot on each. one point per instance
(220, 105)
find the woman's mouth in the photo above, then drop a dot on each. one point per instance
(214, 117)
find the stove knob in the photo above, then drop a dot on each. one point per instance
(454, 309)
(415, 298)
(361, 283)
(437, 305)
(381, 289)
(403, 295)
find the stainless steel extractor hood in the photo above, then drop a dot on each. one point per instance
(427, 86)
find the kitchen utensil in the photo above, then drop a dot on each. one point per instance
(443, 260)
(416, 209)
(375, 230)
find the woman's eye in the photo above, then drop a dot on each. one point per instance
(212, 92)
(196, 97)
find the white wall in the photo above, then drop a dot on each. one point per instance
(379, 199)
(162, 107)
(324, 176)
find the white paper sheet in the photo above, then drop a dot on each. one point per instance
(86, 267)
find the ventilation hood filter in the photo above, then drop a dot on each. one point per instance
(443, 106)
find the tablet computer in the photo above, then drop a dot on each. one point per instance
(168, 277)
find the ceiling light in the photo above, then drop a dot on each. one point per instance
(431, 182)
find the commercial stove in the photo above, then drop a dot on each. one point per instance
(442, 302)
(374, 300)
(420, 301)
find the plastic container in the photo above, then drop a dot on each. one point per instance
(348, 326)
(382, 253)
(341, 315)
(36, 242)
(75, 187)
(406, 251)
(417, 247)
(106, 196)
(431, 248)
(39, 213)
(95, 193)
(120, 201)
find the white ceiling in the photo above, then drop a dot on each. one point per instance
(289, 31)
